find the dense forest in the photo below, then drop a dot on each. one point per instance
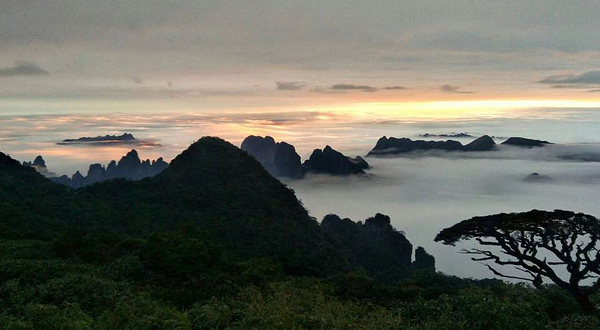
(215, 242)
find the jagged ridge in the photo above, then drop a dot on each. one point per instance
(394, 145)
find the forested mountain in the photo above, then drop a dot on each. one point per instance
(212, 191)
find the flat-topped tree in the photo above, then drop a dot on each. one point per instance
(528, 240)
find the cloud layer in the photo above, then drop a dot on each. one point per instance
(94, 48)
(394, 88)
(453, 89)
(344, 88)
(23, 68)
(425, 195)
(290, 85)
(352, 87)
(584, 79)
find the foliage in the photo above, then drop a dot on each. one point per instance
(536, 243)
(44, 291)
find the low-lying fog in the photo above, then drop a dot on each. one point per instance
(424, 195)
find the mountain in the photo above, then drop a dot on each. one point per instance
(334, 162)
(423, 260)
(129, 167)
(525, 143)
(220, 193)
(536, 177)
(212, 192)
(376, 246)
(28, 201)
(279, 158)
(484, 143)
(448, 135)
(39, 164)
(126, 137)
(228, 195)
(392, 146)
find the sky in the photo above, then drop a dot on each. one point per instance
(84, 56)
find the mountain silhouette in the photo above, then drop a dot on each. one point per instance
(334, 162)
(394, 146)
(212, 192)
(279, 158)
(525, 143)
(282, 161)
(129, 167)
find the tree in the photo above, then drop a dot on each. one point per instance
(537, 243)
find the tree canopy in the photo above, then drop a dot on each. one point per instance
(537, 243)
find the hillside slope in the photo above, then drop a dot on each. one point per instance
(229, 199)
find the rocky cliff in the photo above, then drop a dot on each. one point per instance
(375, 246)
(334, 162)
(39, 164)
(280, 159)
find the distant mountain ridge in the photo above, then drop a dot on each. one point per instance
(109, 140)
(129, 167)
(40, 165)
(448, 135)
(282, 160)
(392, 145)
(105, 138)
(331, 161)
(525, 143)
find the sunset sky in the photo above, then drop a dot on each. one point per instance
(155, 56)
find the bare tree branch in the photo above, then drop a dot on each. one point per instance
(570, 239)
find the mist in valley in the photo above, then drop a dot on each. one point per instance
(426, 194)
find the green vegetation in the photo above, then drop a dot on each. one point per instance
(214, 242)
(41, 291)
